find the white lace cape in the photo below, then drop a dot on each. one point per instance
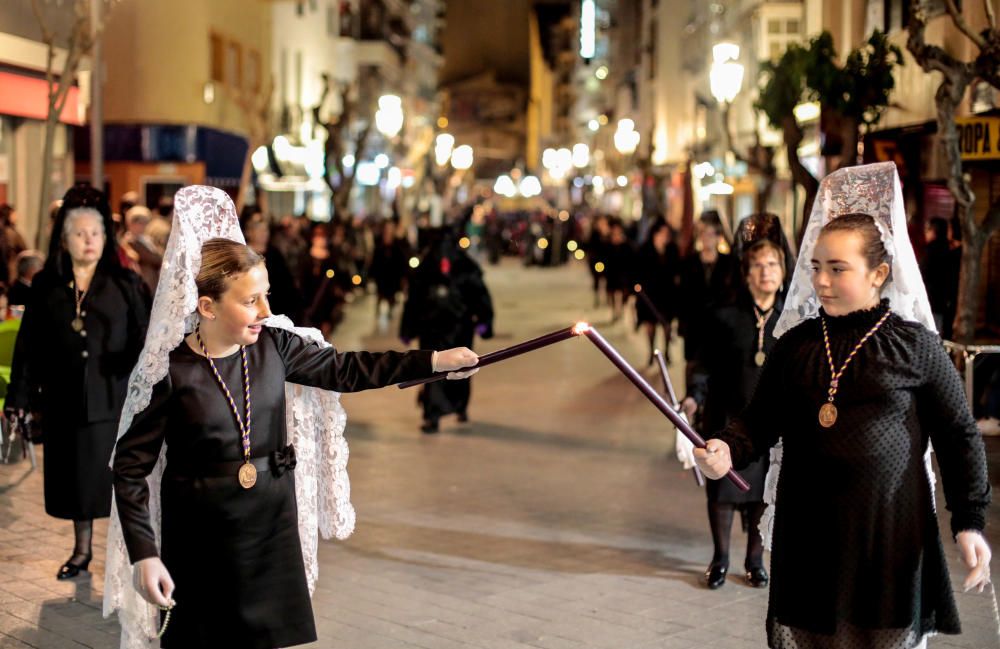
(871, 189)
(315, 419)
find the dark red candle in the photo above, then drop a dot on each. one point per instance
(507, 352)
(632, 375)
(668, 386)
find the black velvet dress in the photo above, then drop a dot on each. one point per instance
(857, 560)
(234, 553)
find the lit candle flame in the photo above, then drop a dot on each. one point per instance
(581, 328)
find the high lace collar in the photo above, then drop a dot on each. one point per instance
(860, 319)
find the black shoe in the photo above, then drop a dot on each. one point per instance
(757, 577)
(463, 417)
(715, 576)
(429, 427)
(77, 563)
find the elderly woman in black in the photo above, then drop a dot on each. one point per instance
(80, 336)
(739, 336)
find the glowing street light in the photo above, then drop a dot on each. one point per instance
(443, 145)
(726, 74)
(530, 186)
(626, 137)
(389, 116)
(461, 157)
(581, 155)
(505, 186)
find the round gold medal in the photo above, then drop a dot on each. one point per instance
(759, 358)
(827, 415)
(248, 475)
(77, 324)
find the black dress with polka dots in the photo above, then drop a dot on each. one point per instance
(857, 560)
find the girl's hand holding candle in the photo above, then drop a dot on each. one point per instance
(714, 460)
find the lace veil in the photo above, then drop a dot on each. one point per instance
(871, 189)
(315, 419)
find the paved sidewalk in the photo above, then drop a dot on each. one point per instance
(556, 519)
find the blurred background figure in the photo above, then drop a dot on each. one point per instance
(29, 263)
(285, 297)
(596, 249)
(658, 277)
(145, 256)
(619, 268)
(447, 301)
(707, 281)
(388, 270)
(11, 243)
(940, 268)
(82, 332)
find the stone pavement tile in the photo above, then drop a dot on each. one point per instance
(8, 642)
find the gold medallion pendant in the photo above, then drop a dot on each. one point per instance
(77, 324)
(248, 475)
(827, 415)
(759, 358)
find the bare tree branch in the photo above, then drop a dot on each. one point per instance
(47, 36)
(959, 20)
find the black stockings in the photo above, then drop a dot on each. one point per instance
(84, 532)
(720, 519)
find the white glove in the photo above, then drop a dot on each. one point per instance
(455, 359)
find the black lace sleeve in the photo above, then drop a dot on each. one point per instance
(945, 415)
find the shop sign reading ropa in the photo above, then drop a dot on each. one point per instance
(979, 137)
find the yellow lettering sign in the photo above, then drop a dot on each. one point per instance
(979, 137)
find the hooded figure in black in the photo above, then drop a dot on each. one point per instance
(447, 304)
(79, 339)
(738, 338)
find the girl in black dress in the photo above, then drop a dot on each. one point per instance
(856, 393)
(230, 553)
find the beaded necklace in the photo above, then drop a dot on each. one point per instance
(828, 411)
(248, 472)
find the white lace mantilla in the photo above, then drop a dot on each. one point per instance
(315, 419)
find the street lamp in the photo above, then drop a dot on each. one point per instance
(389, 116)
(726, 74)
(626, 137)
(461, 157)
(443, 146)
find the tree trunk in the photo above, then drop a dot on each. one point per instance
(44, 198)
(970, 277)
(241, 195)
(802, 176)
(850, 136)
(947, 98)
